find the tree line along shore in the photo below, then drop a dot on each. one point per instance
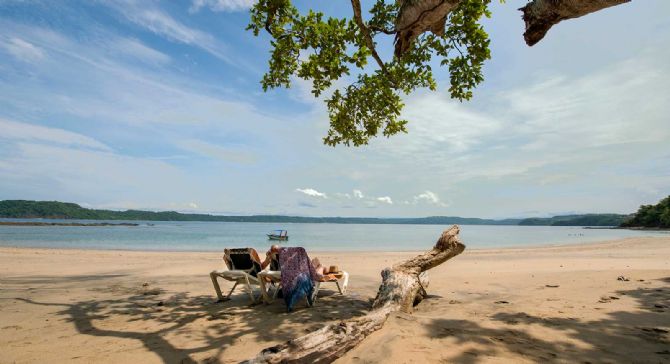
(648, 216)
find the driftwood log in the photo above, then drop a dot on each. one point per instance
(403, 286)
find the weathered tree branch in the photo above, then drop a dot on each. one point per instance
(418, 16)
(541, 15)
(358, 18)
(402, 287)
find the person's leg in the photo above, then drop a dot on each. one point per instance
(318, 267)
(262, 277)
(250, 289)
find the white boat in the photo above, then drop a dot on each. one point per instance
(278, 235)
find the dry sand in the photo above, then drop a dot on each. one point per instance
(553, 304)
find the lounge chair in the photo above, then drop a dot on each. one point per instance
(337, 278)
(243, 266)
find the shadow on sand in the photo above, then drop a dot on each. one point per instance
(186, 329)
(639, 336)
(204, 328)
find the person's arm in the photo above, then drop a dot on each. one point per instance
(267, 261)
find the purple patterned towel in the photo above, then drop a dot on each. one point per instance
(297, 275)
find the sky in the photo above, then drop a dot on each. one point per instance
(157, 105)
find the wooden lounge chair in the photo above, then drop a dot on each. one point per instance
(243, 266)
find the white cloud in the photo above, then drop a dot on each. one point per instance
(311, 192)
(358, 194)
(37, 171)
(429, 197)
(161, 23)
(193, 205)
(235, 155)
(554, 120)
(221, 5)
(16, 131)
(125, 92)
(22, 49)
(138, 50)
(385, 199)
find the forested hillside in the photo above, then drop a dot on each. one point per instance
(651, 216)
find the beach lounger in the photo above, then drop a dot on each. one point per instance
(341, 279)
(243, 266)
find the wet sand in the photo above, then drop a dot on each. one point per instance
(552, 304)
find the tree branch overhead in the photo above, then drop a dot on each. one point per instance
(541, 15)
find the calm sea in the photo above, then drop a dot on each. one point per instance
(214, 236)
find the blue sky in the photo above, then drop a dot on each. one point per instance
(157, 105)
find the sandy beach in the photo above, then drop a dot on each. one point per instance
(547, 304)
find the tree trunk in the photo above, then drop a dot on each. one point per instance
(541, 15)
(402, 287)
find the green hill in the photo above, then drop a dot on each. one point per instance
(577, 220)
(651, 216)
(24, 209)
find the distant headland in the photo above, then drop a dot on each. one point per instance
(26, 209)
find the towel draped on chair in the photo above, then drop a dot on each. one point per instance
(297, 275)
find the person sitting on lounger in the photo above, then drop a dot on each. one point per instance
(321, 269)
(271, 258)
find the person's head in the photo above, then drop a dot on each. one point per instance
(274, 249)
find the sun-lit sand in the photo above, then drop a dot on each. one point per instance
(553, 304)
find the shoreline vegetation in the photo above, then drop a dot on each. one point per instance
(651, 216)
(37, 223)
(25, 209)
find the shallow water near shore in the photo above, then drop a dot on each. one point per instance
(214, 236)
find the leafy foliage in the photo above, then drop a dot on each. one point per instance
(322, 49)
(651, 216)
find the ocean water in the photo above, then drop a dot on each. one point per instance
(214, 236)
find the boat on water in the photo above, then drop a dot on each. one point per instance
(278, 235)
